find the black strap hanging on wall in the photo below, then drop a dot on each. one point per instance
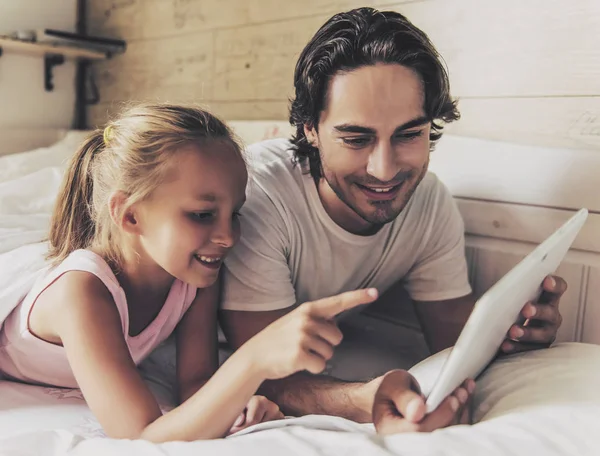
(80, 118)
(50, 61)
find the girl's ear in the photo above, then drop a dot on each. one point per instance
(122, 214)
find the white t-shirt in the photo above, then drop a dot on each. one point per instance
(291, 251)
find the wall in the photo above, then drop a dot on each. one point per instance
(526, 71)
(22, 77)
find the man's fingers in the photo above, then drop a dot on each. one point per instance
(448, 412)
(328, 308)
(464, 416)
(467, 413)
(544, 334)
(555, 285)
(553, 288)
(442, 416)
(510, 346)
(543, 312)
(391, 402)
(402, 390)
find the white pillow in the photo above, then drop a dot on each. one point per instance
(567, 374)
(18, 165)
(253, 131)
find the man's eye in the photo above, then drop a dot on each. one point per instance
(409, 136)
(357, 141)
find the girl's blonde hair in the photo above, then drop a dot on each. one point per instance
(130, 155)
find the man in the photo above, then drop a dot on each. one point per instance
(348, 203)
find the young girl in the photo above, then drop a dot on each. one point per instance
(148, 210)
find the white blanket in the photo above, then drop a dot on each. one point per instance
(29, 183)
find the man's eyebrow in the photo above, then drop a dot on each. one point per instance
(413, 123)
(351, 128)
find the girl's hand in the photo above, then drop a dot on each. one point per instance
(305, 338)
(259, 410)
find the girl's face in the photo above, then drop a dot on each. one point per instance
(191, 221)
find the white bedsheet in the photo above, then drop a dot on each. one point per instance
(546, 402)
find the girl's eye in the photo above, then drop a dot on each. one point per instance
(202, 216)
(236, 215)
(357, 141)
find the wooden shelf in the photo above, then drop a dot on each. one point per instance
(43, 49)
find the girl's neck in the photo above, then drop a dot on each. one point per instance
(141, 278)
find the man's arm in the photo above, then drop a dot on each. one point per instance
(302, 393)
(442, 321)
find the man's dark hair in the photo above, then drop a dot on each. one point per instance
(357, 38)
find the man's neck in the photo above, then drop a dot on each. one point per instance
(341, 213)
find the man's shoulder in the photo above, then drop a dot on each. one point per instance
(431, 199)
(431, 187)
(270, 154)
(275, 178)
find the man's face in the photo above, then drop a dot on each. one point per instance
(373, 138)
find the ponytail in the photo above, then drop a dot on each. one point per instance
(72, 226)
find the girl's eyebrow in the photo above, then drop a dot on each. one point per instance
(210, 197)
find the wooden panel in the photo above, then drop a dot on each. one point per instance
(515, 47)
(542, 50)
(510, 48)
(590, 315)
(234, 110)
(572, 122)
(524, 223)
(257, 63)
(504, 172)
(140, 19)
(156, 69)
(252, 110)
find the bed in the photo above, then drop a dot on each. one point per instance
(546, 401)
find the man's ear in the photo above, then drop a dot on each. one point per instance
(311, 135)
(123, 214)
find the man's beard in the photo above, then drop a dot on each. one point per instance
(385, 212)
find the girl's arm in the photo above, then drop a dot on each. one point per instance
(90, 330)
(197, 347)
(197, 357)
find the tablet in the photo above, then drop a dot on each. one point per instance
(499, 308)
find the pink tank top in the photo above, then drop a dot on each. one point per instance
(25, 357)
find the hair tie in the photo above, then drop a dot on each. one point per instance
(108, 134)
